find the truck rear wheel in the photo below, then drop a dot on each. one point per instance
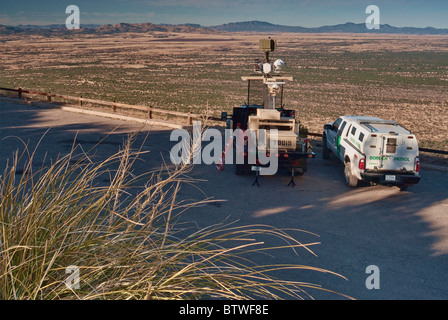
(242, 169)
(350, 180)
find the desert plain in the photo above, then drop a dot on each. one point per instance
(397, 77)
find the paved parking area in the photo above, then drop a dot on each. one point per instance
(404, 234)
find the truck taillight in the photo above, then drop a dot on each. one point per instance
(362, 164)
(417, 165)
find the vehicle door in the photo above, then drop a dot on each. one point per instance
(399, 152)
(340, 148)
(332, 135)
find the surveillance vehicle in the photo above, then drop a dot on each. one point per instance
(373, 150)
(265, 109)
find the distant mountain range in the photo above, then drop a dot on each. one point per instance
(56, 29)
(349, 27)
(247, 26)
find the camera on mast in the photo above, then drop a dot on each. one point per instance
(267, 67)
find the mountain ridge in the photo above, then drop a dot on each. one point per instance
(244, 26)
(348, 27)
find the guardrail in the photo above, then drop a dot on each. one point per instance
(434, 151)
(149, 110)
(80, 100)
(420, 149)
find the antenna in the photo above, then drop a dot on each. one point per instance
(267, 45)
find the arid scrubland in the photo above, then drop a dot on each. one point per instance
(399, 77)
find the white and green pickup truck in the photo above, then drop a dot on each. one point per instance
(373, 150)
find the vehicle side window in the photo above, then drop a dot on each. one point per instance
(336, 125)
(348, 131)
(353, 130)
(342, 128)
(361, 136)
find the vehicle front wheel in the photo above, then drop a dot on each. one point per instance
(350, 180)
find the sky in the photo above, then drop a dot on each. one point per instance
(306, 13)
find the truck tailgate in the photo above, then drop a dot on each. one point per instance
(392, 152)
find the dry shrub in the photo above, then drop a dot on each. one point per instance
(123, 239)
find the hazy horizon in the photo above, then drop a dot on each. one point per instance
(192, 23)
(304, 13)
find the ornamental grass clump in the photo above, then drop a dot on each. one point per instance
(123, 237)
